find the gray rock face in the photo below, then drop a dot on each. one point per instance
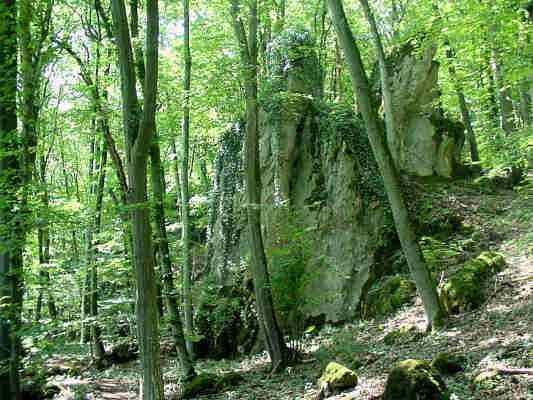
(321, 193)
(324, 212)
(426, 143)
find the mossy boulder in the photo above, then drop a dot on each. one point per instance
(486, 377)
(405, 334)
(415, 380)
(449, 363)
(205, 384)
(465, 288)
(389, 295)
(337, 377)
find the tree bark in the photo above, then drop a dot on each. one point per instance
(138, 134)
(525, 102)
(10, 220)
(502, 91)
(96, 335)
(185, 241)
(465, 113)
(43, 238)
(169, 290)
(419, 271)
(259, 270)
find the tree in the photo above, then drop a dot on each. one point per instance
(139, 127)
(265, 309)
(10, 218)
(419, 271)
(187, 270)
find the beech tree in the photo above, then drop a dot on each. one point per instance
(258, 268)
(139, 127)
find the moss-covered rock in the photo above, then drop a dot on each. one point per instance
(337, 377)
(405, 334)
(465, 288)
(204, 384)
(386, 297)
(415, 380)
(449, 363)
(486, 377)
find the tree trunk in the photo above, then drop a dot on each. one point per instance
(465, 113)
(43, 237)
(525, 103)
(10, 221)
(265, 309)
(502, 93)
(185, 241)
(169, 291)
(138, 132)
(96, 335)
(419, 271)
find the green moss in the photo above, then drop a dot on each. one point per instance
(465, 289)
(338, 377)
(205, 384)
(405, 334)
(415, 380)
(387, 296)
(486, 377)
(449, 363)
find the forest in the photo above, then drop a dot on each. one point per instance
(266, 199)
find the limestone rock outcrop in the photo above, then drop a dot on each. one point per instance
(324, 210)
(426, 143)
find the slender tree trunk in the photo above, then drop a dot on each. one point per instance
(177, 181)
(96, 333)
(265, 309)
(10, 221)
(43, 235)
(206, 183)
(169, 290)
(525, 103)
(419, 271)
(138, 133)
(185, 242)
(502, 92)
(465, 113)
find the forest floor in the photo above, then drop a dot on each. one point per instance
(498, 334)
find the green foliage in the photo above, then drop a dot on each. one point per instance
(225, 320)
(387, 295)
(341, 127)
(342, 347)
(499, 151)
(291, 268)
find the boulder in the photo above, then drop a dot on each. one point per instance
(415, 380)
(405, 334)
(464, 290)
(206, 384)
(337, 377)
(449, 363)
